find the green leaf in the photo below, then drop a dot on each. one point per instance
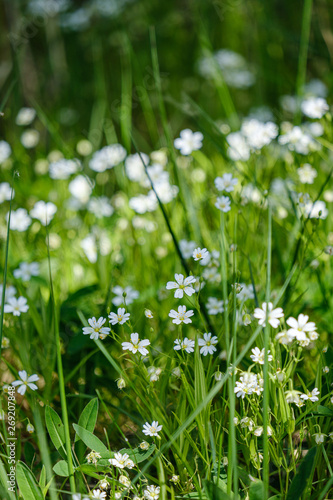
(138, 455)
(42, 477)
(256, 491)
(322, 410)
(56, 430)
(299, 482)
(27, 483)
(61, 468)
(92, 470)
(88, 417)
(213, 492)
(92, 441)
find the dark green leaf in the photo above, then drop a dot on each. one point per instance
(92, 441)
(61, 468)
(299, 482)
(88, 417)
(256, 491)
(56, 430)
(213, 492)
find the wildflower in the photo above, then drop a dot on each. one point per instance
(292, 396)
(245, 292)
(5, 190)
(225, 183)
(30, 138)
(302, 199)
(93, 457)
(148, 314)
(107, 157)
(136, 345)
(100, 207)
(218, 376)
(44, 212)
(63, 168)
(26, 270)
(186, 345)
(174, 479)
(154, 373)
(247, 422)
(16, 306)
(123, 295)
(188, 141)
(182, 316)
(81, 189)
(284, 337)
(25, 116)
(307, 174)
(96, 329)
(19, 220)
(273, 314)
(144, 445)
(5, 151)
(152, 429)
(25, 382)
(248, 384)
(122, 461)
(121, 383)
(316, 210)
(319, 437)
(30, 428)
(182, 285)
(98, 495)
(152, 492)
(121, 317)
(124, 481)
(223, 203)
(5, 342)
(78, 496)
(314, 107)
(326, 369)
(311, 396)
(199, 254)
(300, 327)
(214, 306)
(258, 356)
(207, 344)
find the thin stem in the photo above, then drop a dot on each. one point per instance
(303, 53)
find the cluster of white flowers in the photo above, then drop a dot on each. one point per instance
(107, 157)
(235, 70)
(253, 136)
(249, 383)
(301, 330)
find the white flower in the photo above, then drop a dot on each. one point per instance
(96, 329)
(121, 317)
(81, 188)
(297, 140)
(25, 116)
(44, 212)
(107, 157)
(19, 220)
(319, 437)
(182, 316)
(214, 306)
(136, 345)
(258, 356)
(134, 167)
(273, 315)
(248, 384)
(182, 285)
(100, 207)
(30, 428)
(307, 174)
(312, 396)
(284, 337)
(225, 183)
(223, 203)
(98, 495)
(187, 248)
(188, 141)
(152, 492)
(93, 457)
(152, 429)
(207, 344)
(122, 461)
(124, 295)
(300, 327)
(25, 382)
(246, 292)
(5, 151)
(186, 345)
(326, 369)
(26, 270)
(144, 445)
(10, 292)
(16, 306)
(121, 383)
(292, 396)
(257, 133)
(5, 192)
(314, 107)
(199, 254)
(148, 314)
(30, 138)
(142, 203)
(154, 373)
(316, 210)
(63, 168)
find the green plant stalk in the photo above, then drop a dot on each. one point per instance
(6, 265)
(266, 376)
(303, 53)
(61, 379)
(233, 378)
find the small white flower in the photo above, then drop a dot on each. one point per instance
(122, 461)
(188, 141)
(19, 220)
(326, 369)
(225, 183)
(5, 191)
(121, 317)
(96, 329)
(93, 457)
(258, 356)
(44, 212)
(26, 270)
(148, 314)
(273, 315)
(311, 396)
(25, 382)
(182, 316)
(319, 437)
(30, 428)
(121, 383)
(215, 306)
(293, 396)
(300, 327)
(144, 445)
(316, 210)
(25, 116)
(314, 107)
(98, 495)
(16, 306)
(152, 492)
(207, 344)
(199, 254)
(182, 285)
(307, 174)
(223, 203)
(136, 345)
(152, 429)
(154, 373)
(30, 138)
(284, 337)
(186, 345)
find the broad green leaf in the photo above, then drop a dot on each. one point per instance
(29, 488)
(213, 492)
(92, 441)
(322, 410)
(256, 491)
(88, 417)
(61, 468)
(56, 430)
(138, 455)
(299, 482)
